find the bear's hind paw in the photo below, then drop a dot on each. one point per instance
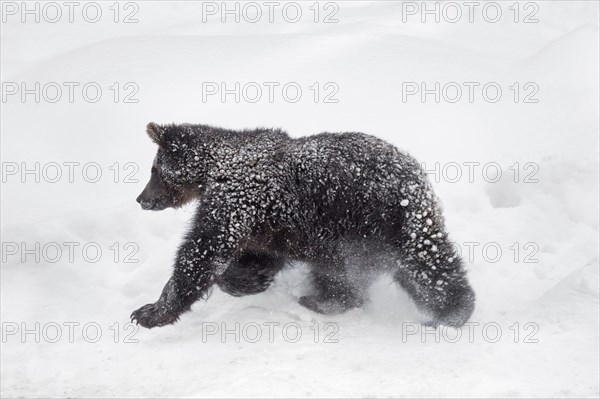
(327, 306)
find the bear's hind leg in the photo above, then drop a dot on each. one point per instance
(428, 267)
(442, 291)
(251, 273)
(334, 293)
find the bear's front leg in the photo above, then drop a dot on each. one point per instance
(210, 245)
(193, 275)
(159, 313)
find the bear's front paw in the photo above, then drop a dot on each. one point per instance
(153, 315)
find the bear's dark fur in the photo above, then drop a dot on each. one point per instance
(348, 204)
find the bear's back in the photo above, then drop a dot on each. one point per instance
(354, 169)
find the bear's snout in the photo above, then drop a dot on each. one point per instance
(146, 203)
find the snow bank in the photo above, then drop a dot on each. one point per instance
(541, 291)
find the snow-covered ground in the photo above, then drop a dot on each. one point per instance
(530, 239)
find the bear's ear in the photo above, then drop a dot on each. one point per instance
(156, 133)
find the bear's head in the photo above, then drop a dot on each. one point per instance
(177, 171)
